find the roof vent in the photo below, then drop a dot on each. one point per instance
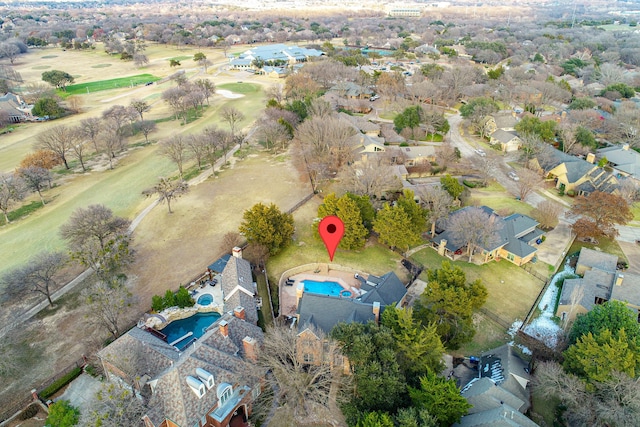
(206, 377)
(196, 386)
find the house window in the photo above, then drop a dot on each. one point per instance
(599, 301)
(510, 257)
(308, 358)
(224, 393)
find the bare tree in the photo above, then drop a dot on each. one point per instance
(486, 165)
(547, 213)
(438, 202)
(329, 139)
(372, 177)
(93, 223)
(39, 275)
(140, 107)
(146, 127)
(305, 389)
(119, 116)
(176, 98)
(90, 128)
(108, 303)
(231, 239)
(475, 228)
(168, 190)
(213, 140)
(272, 133)
(447, 154)
(9, 50)
(35, 179)
(79, 149)
(175, 148)
(112, 143)
(276, 92)
(568, 132)
(232, 116)
(140, 59)
(58, 139)
(576, 298)
(112, 406)
(12, 190)
(529, 181)
(628, 189)
(207, 87)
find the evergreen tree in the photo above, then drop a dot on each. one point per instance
(417, 214)
(612, 315)
(441, 398)
(375, 419)
(267, 226)
(347, 210)
(394, 228)
(367, 212)
(451, 186)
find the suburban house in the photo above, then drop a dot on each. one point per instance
(14, 108)
(508, 141)
(416, 155)
(499, 394)
(571, 173)
(600, 282)
(274, 72)
(238, 287)
(322, 312)
(351, 90)
(504, 121)
(625, 161)
(513, 241)
(273, 55)
(211, 383)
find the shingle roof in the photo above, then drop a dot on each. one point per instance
(389, 290)
(220, 263)
(485, 394)
(502, 416)
(503, 135)
(596, 259)
(324, 312)
(238, 289)
(576, 167)
(624, 159)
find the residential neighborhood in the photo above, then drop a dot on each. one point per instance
(319, 214)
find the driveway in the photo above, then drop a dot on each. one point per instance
(81, 390)
(552, 250)
(632, 252)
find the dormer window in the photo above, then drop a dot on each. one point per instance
(224, 393)
(205, 377)
(196, 386)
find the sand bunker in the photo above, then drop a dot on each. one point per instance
(228, 94)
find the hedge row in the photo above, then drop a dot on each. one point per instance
(60, 382)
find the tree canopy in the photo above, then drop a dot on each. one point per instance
(266, 225)
(600, 212)
(441, 397)
(451, 186)
(612, 315)
(345, 208)
(57, 78)
(449, 302)
(395, 228)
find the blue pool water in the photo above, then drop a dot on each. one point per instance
(197, 324)
(331, 289)
(205, 299)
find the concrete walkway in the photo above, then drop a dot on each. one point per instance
(81, 391)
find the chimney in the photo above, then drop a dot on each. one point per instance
(376, 311)
(237, 252)
(591, 158)
(250, 348)
(34, 395)
(619, 279)
(224, 328)
(239, 312)
(442, 247)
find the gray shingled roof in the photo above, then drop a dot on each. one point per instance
(324, 312)
(502, 416)
(503, 135)
(576, 167)
(596, 259)
(389, 290)
(237, 274)
(624, 159)
(484, 394)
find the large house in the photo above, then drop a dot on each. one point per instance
(600, 282)
(624, 160)
(211, 383)
(571, 173)
(499, 395)
(14, 108)
(513, 240)
(273, 55)
(320, 313)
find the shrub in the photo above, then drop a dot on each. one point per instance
(60, 382)
(29, 412)
(183, 299)
(469, 184)
(157, 303)
(169, 299)
(63, 414)
(571, 193)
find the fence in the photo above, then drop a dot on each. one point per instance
(300, 203)
(500, 321)
(10, 411)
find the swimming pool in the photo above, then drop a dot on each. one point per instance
(205, 299)
(332, 289)
(197, 324)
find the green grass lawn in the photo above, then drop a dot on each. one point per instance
(512, 291)
(182, 57)
(307, 249)
(488, 335)
(243, 88)
(609, 246)
(119, 189)
(635, 210)
(100, 85)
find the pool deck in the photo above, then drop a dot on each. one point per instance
(289, 300)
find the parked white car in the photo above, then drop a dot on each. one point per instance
(480, 152)
(513, 176)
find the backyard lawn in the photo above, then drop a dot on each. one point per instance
(512, 291)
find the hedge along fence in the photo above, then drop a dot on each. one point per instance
(62, 381)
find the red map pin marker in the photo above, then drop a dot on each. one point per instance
(331, 229)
